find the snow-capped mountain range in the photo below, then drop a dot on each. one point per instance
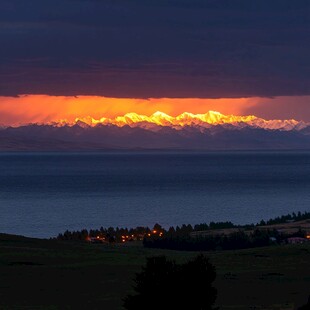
(211, 118)
(209, 131)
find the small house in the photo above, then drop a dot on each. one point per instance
(296, 240)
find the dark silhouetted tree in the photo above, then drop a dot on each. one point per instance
(164, 284)
(158, 227)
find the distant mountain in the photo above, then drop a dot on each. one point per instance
(206, 120)
(210, 131)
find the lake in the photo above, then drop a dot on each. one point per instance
(43, 194)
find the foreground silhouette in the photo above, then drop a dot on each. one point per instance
(164, 284)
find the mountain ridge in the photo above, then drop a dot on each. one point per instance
(178, 122)
(103, 137)
(209, 131)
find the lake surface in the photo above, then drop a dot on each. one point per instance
(43, 194)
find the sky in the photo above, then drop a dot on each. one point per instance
(59, 58)
(45, 109)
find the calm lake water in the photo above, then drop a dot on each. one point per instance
(42, 194)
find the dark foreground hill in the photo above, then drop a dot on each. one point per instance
(49, 274)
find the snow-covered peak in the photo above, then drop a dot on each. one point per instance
(206, 120)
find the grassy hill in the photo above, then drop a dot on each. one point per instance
(50, 274)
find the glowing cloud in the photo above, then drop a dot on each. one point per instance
(42, 108)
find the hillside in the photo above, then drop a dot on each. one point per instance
(46, 274)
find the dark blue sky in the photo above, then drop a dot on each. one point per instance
(155, 48)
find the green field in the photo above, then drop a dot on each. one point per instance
(48, 274)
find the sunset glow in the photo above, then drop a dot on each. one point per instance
(137, 137)
(43, 109)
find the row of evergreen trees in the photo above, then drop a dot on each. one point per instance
(111, 234)
(234, 241)
(117, 234)
(287, 218)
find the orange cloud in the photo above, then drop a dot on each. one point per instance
(44, 108)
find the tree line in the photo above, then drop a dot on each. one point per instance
(181, 237)
(233, 241)
(286, 218)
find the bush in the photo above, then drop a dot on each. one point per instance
(163, 284)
